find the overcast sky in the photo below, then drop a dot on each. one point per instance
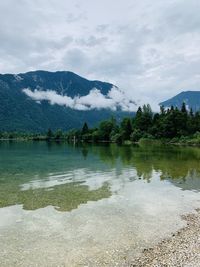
(150, 49)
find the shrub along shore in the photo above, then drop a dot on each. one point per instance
(175, 126)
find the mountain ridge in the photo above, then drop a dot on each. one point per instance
(190, 98)
(19, 112)
(64, 76)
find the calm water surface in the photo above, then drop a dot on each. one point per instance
(64, 205)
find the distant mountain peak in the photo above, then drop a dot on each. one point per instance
(190, 98)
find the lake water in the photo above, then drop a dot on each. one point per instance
(87, 205)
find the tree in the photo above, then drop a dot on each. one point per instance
(58, 134)
(85, 129)
(137, 121)
(105, 129)
(191, 112)
(136, 135)
(183, 108)
(126, 128)
(143, 118)
(49, 134)
(162, 110)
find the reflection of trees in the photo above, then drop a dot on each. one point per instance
(85, 152)
(65, 197)
(23, 163)
(108, 153)
(173, 163)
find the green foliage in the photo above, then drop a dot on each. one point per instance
(143, 118)
(117, 138)
(95, 136)
(126, 128)
(172, 125)
(136, 135)
(58, 134)
(49, 134)
(85, 129)
(105, 129)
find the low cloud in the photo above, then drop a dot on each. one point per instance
(115, 99)
(148, 48)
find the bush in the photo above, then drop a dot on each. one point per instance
(95, 136)
(136, 135)
(197, 135)
(117, 138)
(174, 140)
(87, 137)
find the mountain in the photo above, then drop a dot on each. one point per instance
(21, 110)
(190, 98)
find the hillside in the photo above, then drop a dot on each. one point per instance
(21, 112)
(190, 98)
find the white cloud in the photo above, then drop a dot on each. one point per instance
(148, 48)
(115, 99)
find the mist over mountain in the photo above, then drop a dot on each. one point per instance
(190, 98)
(38, 100)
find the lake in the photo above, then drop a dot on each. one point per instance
(91, 205)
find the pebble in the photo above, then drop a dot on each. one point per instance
(181, 250)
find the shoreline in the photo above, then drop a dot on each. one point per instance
(181, 249)
(127, 143)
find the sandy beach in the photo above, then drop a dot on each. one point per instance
(182, 249)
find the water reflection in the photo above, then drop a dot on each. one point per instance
(26, 167)
(179, 165)
(65, 197)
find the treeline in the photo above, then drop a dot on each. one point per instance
(48, 136)
(172, 125)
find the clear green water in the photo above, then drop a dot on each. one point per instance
(65, 205)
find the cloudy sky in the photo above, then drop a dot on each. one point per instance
(150, 49)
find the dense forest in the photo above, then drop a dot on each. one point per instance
(169, 125)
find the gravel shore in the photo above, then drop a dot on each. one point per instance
(181, 250)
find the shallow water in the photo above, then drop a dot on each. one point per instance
(63, 205)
